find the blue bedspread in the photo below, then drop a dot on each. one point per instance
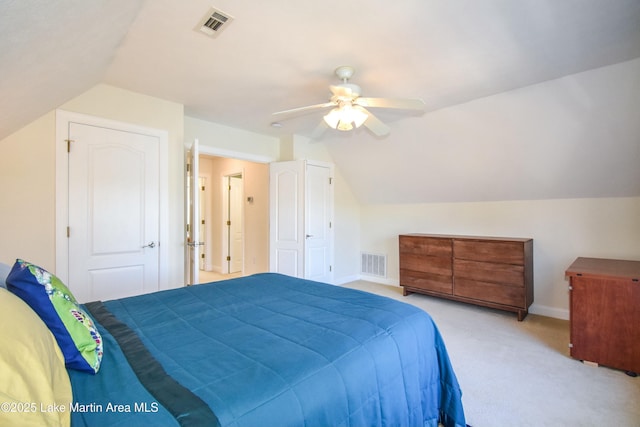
(272, 350)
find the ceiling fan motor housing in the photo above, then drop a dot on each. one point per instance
(344, 72)
(350, 91)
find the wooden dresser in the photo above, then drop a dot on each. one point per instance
(494, 272)
(604, 305)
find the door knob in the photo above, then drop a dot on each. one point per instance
(150, 245)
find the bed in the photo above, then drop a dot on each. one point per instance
(266, 350)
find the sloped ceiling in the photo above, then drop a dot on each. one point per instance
(457, 55)
(53, 51)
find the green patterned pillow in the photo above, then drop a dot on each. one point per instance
(77, 336)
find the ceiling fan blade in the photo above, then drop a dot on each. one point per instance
(375, 125)
(401, 103)
(280, 115)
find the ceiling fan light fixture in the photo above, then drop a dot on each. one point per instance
(350, 110)
(344, 126)
(358, 116)
(345, 118)
(332, 118)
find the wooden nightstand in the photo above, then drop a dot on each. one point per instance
(604, 304)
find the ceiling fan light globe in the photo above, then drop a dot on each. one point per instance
(345, 117)
(332, 118)
(358, 117)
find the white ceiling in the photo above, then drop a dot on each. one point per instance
(281, 54)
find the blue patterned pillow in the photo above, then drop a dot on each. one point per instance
(77, 336)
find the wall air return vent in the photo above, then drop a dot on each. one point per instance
(214, 22)
(374, 265)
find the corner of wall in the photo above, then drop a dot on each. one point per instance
(286, 148)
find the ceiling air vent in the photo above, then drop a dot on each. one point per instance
(214, 22)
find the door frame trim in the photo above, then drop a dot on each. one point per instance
(63, 118)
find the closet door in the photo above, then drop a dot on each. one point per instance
(301, 210)
(318, 247)
(286, 207)
(113, 212)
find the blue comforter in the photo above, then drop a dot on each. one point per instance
(272, 350)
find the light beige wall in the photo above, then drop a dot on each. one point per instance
(562, 231)
(347, 228)
(28, 188)
(256, 216)
(230, 142)
(27, 194)
(347, 232)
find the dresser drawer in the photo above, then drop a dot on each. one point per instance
(489, 272)
(490, 292)
(490, 251)
(427, 281)
(425, 246)
(426, 264)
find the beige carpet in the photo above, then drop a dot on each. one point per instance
(520, 373)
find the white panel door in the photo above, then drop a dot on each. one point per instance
(113, 213)
(318, 223)
(301, 210)
(286, 209)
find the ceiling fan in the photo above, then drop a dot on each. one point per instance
(349, 107)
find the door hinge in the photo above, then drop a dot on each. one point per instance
(202, 222)
(330, 268)
(330, 181)
(188, 167)
(69, 141)
(228, 258)
(188, 228)
(68, 231)
(228, 222)
(330, 224)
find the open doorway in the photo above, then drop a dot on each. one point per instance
(234, 218)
